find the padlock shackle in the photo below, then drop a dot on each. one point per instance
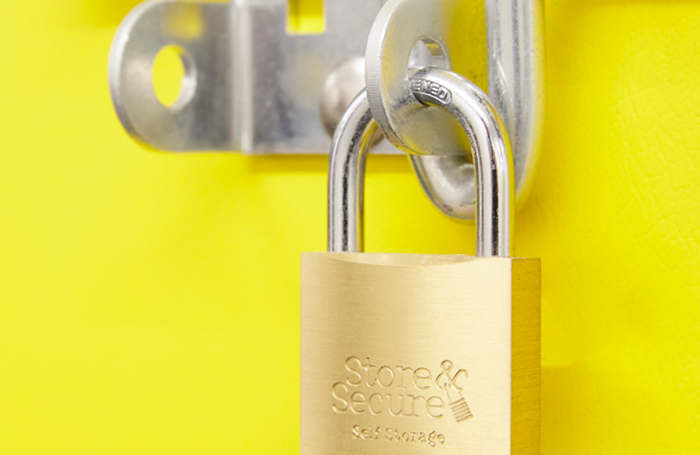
(346, 177)
(493, 162)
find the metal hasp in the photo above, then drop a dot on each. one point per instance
(249, 84)
(514, 31)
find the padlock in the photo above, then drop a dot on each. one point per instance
(418, 354)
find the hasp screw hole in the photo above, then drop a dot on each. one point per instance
(173, 77)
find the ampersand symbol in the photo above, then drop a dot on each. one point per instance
(444, 380)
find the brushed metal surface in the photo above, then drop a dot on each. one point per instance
(251, 85)
(202, 120)
(414, 354)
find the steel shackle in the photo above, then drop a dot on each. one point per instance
(493, 162)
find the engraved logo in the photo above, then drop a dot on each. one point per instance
(436, 91)
(460, 408)
(400, 391)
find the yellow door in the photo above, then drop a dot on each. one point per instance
(149, 301)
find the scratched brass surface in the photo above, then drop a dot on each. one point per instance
(413, 354)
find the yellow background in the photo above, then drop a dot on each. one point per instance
(149, 301)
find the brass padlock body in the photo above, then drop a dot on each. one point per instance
(413, 354)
